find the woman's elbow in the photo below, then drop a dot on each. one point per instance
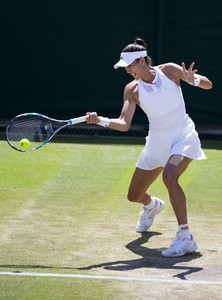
(125, 128)
(207, 85)
(124, 125)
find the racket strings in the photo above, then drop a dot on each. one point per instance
(32, 127)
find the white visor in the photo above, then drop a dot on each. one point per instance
(126, 58)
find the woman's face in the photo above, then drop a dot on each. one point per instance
(136, 68)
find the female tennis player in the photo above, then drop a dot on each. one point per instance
(172, 142)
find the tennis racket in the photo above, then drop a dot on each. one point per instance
(31, 131)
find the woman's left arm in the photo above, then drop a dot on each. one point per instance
(190, 76)
(176, 73)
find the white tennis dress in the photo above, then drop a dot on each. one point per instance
(171, 130)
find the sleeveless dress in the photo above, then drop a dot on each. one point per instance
(171, 130)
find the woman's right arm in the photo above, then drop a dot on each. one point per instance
(124, 121)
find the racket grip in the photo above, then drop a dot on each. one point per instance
(77, 120)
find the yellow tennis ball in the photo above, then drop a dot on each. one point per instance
(24, 143)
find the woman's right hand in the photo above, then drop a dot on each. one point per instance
(92, 118)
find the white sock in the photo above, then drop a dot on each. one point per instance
(151, 205)
(182, 226)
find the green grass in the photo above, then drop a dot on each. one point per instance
(63, 209)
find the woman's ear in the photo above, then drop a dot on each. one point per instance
(142, 60)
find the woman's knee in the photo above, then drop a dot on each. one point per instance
(169, 178)
(133, 196)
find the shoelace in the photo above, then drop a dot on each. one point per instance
(144, 216)
(177, 241)
(152, 209)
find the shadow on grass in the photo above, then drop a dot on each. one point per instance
(150, 258)
(33, 267)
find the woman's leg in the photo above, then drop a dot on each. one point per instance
(184, 242)
(174, 168)
(140, 182)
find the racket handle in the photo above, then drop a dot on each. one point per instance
(77, 120)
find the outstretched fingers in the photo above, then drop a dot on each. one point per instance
(189, 73)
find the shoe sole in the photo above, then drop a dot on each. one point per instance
(159, 211)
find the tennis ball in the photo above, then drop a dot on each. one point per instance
(24, 143)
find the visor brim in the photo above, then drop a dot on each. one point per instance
(121, 63)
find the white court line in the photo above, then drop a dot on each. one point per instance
(143, 279)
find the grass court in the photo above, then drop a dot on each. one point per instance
(68, 232)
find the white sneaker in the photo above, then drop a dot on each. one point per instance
(180, 246)
(147, 216)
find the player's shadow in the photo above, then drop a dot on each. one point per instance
(150, 258)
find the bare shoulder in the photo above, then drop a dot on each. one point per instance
(131, 91)
(172, 70)
(131, 86)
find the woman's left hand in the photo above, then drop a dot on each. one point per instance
(188, 74)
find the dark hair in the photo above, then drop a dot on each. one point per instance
(138, 45)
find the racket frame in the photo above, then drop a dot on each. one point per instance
(65, 123)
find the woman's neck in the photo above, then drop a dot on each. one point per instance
(149, 75)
